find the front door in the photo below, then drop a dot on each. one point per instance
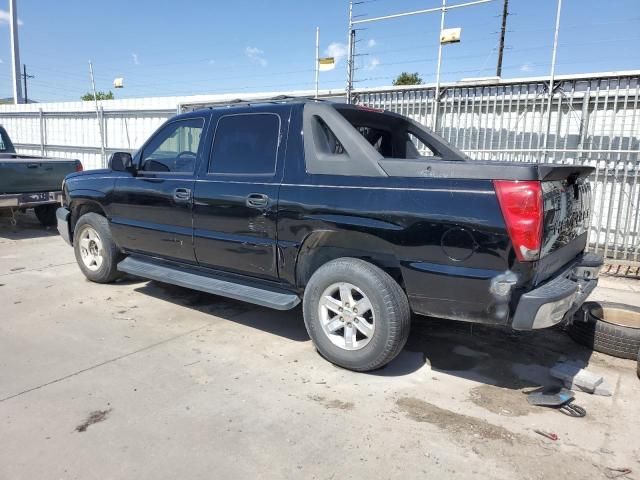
(152, 211)
(236, 194)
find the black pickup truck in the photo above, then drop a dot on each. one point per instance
(363, 215)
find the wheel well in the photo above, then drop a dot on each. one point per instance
(79, 209)
(320, 248)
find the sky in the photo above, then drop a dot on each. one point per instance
(201, 47)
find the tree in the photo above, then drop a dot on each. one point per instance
(408, 79)
(88, 97)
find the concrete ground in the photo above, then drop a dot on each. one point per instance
(148, 381)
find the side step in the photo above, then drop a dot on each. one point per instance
(279, 300)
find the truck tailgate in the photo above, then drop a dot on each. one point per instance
(566, 206)
(28, 175)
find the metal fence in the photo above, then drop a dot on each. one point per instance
(593, 120)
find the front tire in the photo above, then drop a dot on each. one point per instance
(96, 252)
(356, 314)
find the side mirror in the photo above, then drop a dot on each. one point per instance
(121, 162)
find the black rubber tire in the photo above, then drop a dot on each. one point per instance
(111, 254)
(390, 307)
(615, 340)
(46, 214)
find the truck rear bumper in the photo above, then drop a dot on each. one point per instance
(28, 200)
(63, 215)
(559, 298)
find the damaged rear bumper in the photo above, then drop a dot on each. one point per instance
(559, 298)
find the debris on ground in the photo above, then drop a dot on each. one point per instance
(549, 435)
(573, 373)
(556, 397)
(611, 472)
(94, 417)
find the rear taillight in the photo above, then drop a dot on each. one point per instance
(521, 204)
(79, 166)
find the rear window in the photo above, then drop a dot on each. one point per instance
(395, 137)
(246, 144)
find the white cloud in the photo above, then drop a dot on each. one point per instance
(5, 18)
(212, 62)
(371, 43)
(526, 67)
(134, 57)
(373, 63)
(336, 50)
(256, 56)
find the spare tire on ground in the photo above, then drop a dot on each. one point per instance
(611, 328)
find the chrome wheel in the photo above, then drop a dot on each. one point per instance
(346, 316)
(91, 250)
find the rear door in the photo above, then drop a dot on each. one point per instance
(236, 194)
(152, 211)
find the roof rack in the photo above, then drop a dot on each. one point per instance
(238, 102)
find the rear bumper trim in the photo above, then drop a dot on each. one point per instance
(28, 200)
(559, 298)
(62, 215)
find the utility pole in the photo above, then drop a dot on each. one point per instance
(317, 60)
(503, 31)
(15, 52)
(436, 100)
(552, 75)
(350, 51)
(98, 116)
(352, 33)
(24, 80)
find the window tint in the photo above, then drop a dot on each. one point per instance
(246, 143)
(174, 148)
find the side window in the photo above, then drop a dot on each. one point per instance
(174, 148)
(246, 144)
(416, 148)
(327, 140)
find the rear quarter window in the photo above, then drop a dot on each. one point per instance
(245, 144)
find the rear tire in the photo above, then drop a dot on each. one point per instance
(357, 340)
(46, 214)
(96, 252)
(604, 336)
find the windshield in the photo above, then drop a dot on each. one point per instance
(5, 142)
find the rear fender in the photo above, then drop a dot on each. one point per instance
(320, 247)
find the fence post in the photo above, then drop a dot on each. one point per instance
(42, 131)
(103, 137)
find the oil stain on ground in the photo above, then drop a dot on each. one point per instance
(94, 417)
(457, 423)
(340, 405)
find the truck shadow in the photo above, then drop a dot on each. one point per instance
(27, 227)
(495, 356)
(284, 324)
(488, 355)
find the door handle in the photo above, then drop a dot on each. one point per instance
(182, 194)
(257, 200)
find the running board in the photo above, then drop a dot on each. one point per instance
(279, 300)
